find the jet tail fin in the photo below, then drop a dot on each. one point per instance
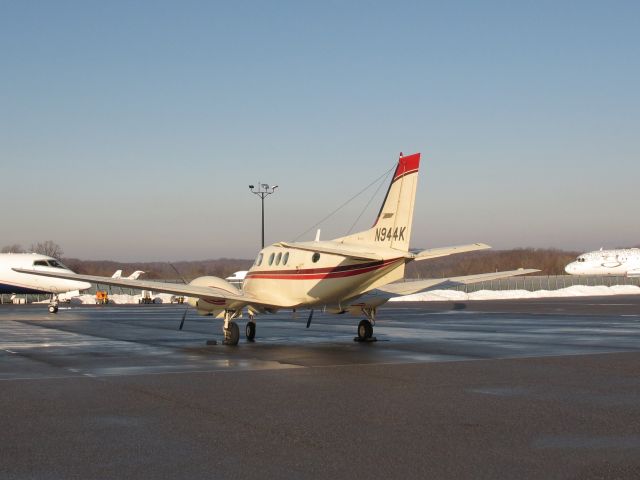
(135, 275)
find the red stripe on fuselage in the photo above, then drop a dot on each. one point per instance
(323, 273)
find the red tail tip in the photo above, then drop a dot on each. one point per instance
(408, 164)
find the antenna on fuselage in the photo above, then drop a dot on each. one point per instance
(349, 201)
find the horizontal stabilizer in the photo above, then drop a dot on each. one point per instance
(336, 248)
(409, 288)
(444, 251)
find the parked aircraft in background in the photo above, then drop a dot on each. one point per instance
(134, 276)
(237, 278)
(12, 281)
(351, 274)
(621, 261)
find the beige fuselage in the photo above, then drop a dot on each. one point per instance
(310, 278)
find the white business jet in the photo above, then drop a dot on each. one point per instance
(351, 274)
(12, 281)
(621, 261)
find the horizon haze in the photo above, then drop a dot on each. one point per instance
(131, 131)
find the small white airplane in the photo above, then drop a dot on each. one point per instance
(12, 281)
(237, 278)
(134, 276)
(621, 261)
(351, 274)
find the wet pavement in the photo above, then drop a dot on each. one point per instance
(504, 389)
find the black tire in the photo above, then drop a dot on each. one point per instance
(53, 309)
(365, 330)
(250, 331)
(232, 335)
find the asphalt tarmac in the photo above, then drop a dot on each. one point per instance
(502, 389)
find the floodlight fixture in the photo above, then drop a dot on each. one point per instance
(262, 191)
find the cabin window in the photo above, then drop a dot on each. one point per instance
(278, 257)
(55, 264)
(40, 263)
(285, 259)
(271, 258)
(259, 259)
(315, 258)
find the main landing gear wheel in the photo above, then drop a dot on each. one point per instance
(53, 309)
(250, 331)
(232, 334)
(365, 331)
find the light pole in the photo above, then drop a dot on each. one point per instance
(262, 191)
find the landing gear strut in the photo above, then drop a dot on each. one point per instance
(53, 303)
(231, 330)
(231, 334)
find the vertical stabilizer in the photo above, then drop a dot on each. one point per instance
(393, 225)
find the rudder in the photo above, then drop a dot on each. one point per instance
(393, 224)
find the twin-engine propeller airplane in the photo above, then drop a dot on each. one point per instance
(351, 274)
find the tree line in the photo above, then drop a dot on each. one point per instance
(550, 261)
(183, 270)
(48, 247)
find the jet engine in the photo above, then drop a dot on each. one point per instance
(212, 307)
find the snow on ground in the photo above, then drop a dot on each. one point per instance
(573, 291)
(121, 299)
(431, 296)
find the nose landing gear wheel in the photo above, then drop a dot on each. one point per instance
(53, 309)
(250, 331)
(365, 331)
(232, 334)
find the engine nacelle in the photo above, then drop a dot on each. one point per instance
(206, 307)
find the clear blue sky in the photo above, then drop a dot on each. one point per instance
(130, 130)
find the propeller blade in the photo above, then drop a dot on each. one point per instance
(184, 315)
(309, 319)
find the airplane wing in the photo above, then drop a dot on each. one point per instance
(444, 251)
(408, 288)
(198, 291)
